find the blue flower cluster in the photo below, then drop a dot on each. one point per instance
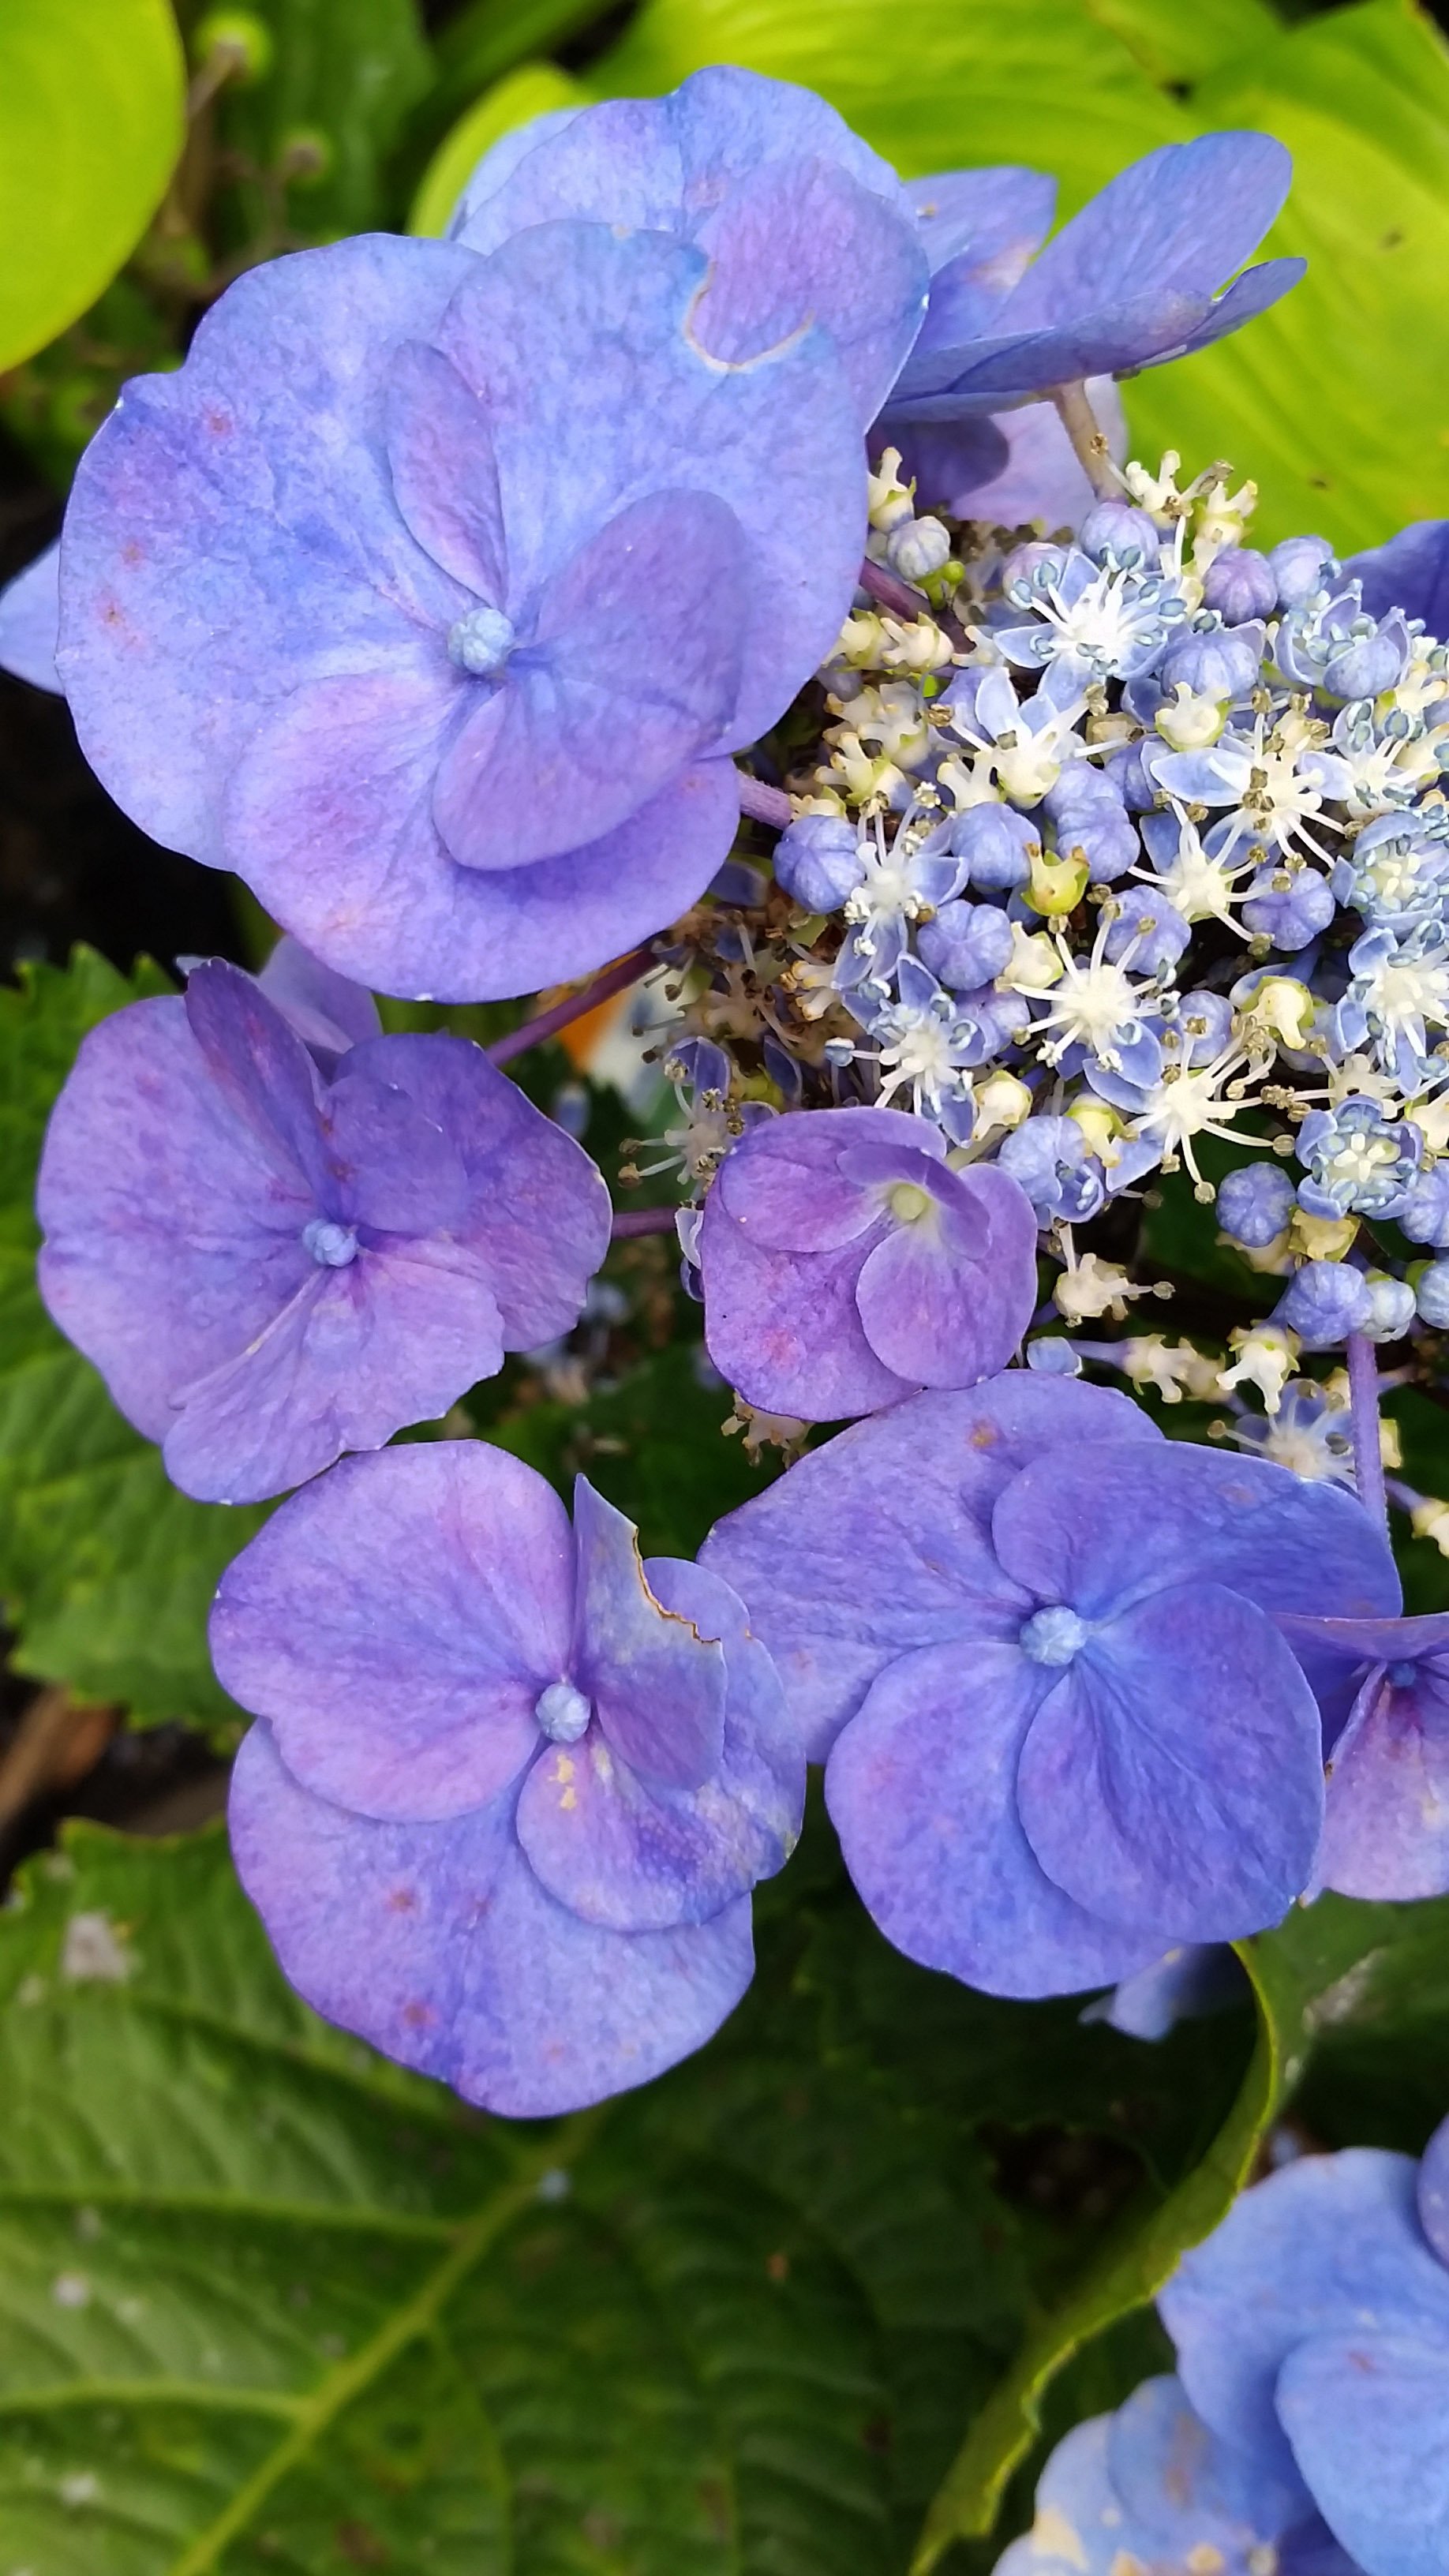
(437, 594)
(1304, 2430)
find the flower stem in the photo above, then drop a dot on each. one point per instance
(642, 1221)
(1368, 1465)
(764, 804)
(1085, 432)
(889, 591)
(614, 979)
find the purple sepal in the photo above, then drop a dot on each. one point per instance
(845, 1265)
(435, 1819)
(30, 621)
(268, 1268)
(1411, 573)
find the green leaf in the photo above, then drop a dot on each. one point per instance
(90, 129)
(1378, 1973)
(106, 1571)
(1337, 401)
(530, 91)
(344, 76)
(1179, 46)
(486, 38)
(272, 2302)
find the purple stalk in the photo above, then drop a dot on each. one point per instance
(1363, 1387)
(615, 979)
(889, 591)
(764, 804)
(643, 1221)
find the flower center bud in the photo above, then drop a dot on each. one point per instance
(562, 1712)
(333, 1245)
(907, 1203)
(1054, 1635)
(481, 642)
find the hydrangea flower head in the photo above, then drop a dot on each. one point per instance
(1312, 2334)
(1035, 1645)
(512, 1785)
(800, 221)
(1152, 2489)
(845, 1265)
(1131, 281)
(433, 592)
(270, 1262)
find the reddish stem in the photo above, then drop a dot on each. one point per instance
(888, 589)
(615, 979)
(642, 1221)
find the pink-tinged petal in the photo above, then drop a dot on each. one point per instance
(1327, 2244)
(881, 1541)
(987, 222)
(784, 1182)
(785, 1331)
(804, 242)
(657, 1685)
(436, 1943)
(1172, 1779)
(30, 621)
(328, 1013)
(232, 530)
(921, 1786)
(628, 669)
(618, 396)
(261, 1068)
(945, 1300)
(393, 1168)
(1101, 1531)
(397, 1623)
(539, 1214)
(1386, 1829)
(1367, 2416)
(641, 1859)
(331, 824)
(392, 1338)
(444, 479)
(174, 1230)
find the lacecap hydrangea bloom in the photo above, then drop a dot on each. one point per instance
(511, 1786)
(279, 1234)
(432, 594)
(1304, 2433)
(1036, 1647)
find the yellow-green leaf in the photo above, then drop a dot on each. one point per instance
(91, 96)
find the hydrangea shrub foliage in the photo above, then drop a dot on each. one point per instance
(716, 572)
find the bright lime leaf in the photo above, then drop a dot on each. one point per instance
(528, 92)
(1177, 45)
(1336, 1966)
(478, 43)
(271, 2302)
(106, 1571)
(90, 128)
(1337, 402)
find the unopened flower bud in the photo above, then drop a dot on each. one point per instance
(888, 498)
(917, 547)
(1240, 584)
(1301, 566)
(1431, 1295)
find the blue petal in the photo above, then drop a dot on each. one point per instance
(1411, 572)
(30, 621)
(1367, 2416)
(1329, 2244)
